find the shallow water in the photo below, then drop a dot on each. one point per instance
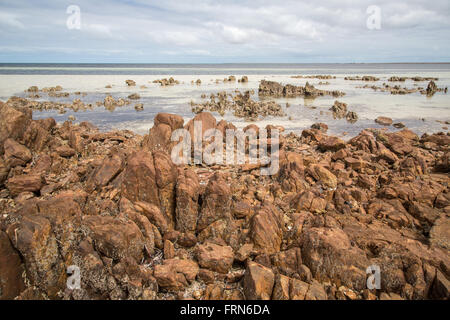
(416, 111)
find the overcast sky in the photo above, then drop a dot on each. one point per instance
(195, 31)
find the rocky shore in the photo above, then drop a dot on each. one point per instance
(429, 91)
(140, 227)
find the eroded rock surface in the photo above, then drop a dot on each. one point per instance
(141, 227)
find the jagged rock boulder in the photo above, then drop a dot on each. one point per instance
(216, 204)
(11, 268)
(16, 154)
(175, 274)
(329, 254)
(24, 183)
(339, 110)
(187, 207)
(159, 137)
(13, 124)
(258, 282)
(33, 237)
(115, 238)
(214, 257)
(266, 230)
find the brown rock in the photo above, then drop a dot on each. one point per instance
(223, 126)
(441, 287)
(206, 119)
(241, 209)
(443, 163)
(281, 288)
(385, 121)
(47, 123)
(23, 183)
(292, 172)
(105, 173)
(11, 282)
(258, 282)
(266, 230)
(355, 164)
(154, 215)
(323, 175)
(166, 175)
(316, 292)
(440, 233)
(33, 237)
(320, 126)
(139, 180)
(169, 250)
(175, 274)
(160, 135)
(206, 276)
(174, 121)
(16, 154)
(431, 88)
(329, 254)
(13, 123)
(159, 138)
(339, 110)
(76, 140)
(114, 238)
(64, 214)
(215, 257)
(298, 289)
(134, 96)
(65, 151)
(4, 171)
(244, 252)
(287, 262)
(217, 202)
(331, 144)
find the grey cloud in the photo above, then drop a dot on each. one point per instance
(302, 31)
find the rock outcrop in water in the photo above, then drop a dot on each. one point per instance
(363, 78)
(242, 105)
(339, 110)
(398, 90)
(385, 121)
(275, 89)
(321, 77)
(416, 79)
(140, 227)
(167, 82)
(110, 103)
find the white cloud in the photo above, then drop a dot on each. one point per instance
(98, 30)
(177, 38)
(10, 20)
(412, 18)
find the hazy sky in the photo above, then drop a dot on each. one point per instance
(188, 31)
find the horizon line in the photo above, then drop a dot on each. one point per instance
(224, 63)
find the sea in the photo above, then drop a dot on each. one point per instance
(418, 112)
